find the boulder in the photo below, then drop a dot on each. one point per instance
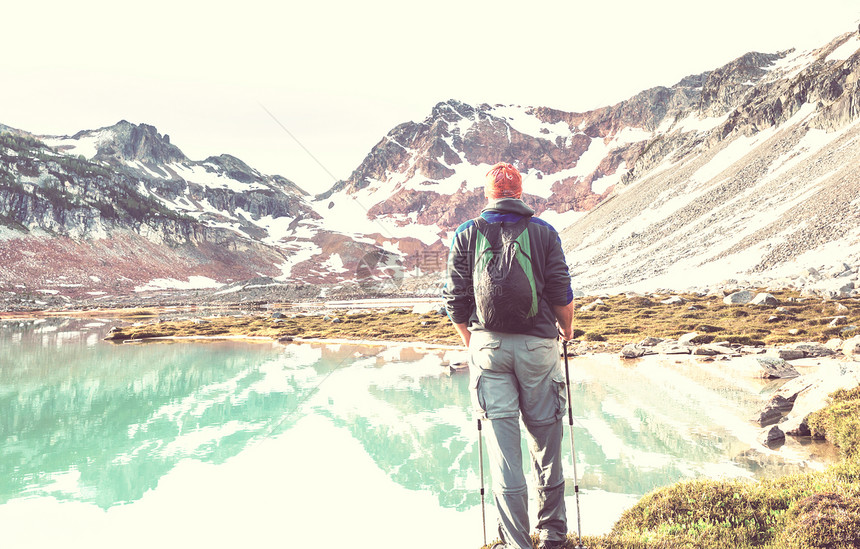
(787, 354)
(771, 436)
(687, 339)
(834, 344)
(774, 410)
(851, 347)
(797, 428)
(674, 300)
(750, 350)
(718, 349)
(705, 351)
(593, 305)
(811, 349)
(650, 341)
(829, 289)
(765, 300)
(811, 393)
(632, 351)
(768, 367)
(739, 298)
(670, 347)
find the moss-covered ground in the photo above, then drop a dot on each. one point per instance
(618, 320)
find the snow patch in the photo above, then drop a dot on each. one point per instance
(526, 123)
(846, 50)
(193, 283)
(301, 251)
(196, 173)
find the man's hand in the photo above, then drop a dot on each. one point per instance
(564, 318)
(464, 332)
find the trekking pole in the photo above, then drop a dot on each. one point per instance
(572, 449)
(481, 459)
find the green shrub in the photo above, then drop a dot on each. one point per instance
(822, 520)
(839, 421)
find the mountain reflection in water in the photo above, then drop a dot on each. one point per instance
(87, 421)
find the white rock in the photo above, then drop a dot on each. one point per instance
(811, 391)
(851, 347)
(812, 349)
(768, 367)
(739, 298)
(787, 354)
(632, 351)
(720, 349)
(596, 303)
(687, 339)
(834, 344)
(765, 300)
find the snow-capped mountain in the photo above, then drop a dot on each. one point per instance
(765, 192)
(120, 209)
(743, 172)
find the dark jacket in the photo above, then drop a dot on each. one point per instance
(552, 279)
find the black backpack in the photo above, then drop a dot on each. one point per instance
(503, 277)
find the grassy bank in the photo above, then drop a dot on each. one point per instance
(615, 320)
(389, 325)
(820, 509)
(622, 319)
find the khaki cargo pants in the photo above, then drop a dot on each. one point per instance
(513, 374)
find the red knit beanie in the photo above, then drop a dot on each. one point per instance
(503, 181)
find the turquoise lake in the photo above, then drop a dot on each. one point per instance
(228, 444)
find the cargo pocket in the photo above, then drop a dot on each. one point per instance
(481, 352)
(479, 403)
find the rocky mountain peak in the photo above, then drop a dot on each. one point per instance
(452, 111)
(724, 88)
(120, 144)
(142, 142)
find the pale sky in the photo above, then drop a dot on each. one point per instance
(338, 75)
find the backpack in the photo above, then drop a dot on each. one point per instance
(503, 277)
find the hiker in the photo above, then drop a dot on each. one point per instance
(511, 330)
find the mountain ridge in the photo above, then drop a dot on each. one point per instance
(583, 172)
